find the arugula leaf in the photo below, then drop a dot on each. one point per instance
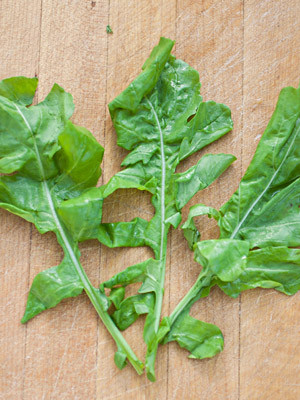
(203, 340)
(152, 121)
(258, 225)
(269, 267)
(274, 167)
(226, 258)
(131, 308)
(19, 89)
(52, 160)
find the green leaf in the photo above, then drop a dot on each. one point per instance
(33, 131)
(131, 97)
(53, 160)
(51, 286)
(134, 273)
(190, 231)
(120, 358)
(143, 152)
(278, 222)
(211, 121)
(82, 215)
(130, 178)
(226, 258)
(123, 234)
(270, 267)
(263, 212)
(117, 296)
(131, 308)
(161, 119)
(201, 339)
(200, 176)
(20, 89)
(274, 166)
(79, 158)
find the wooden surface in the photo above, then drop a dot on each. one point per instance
(245, 51)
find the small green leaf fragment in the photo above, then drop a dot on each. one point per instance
(117, 296)
(108, 29)
(132, 274)
(190, 231)
(120, 358)
(130, 309)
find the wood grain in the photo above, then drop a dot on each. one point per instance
(245, 52)
(18, 57)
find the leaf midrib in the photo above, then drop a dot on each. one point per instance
(162, 252)
(237, 228)
(51, 202)
(163, 178)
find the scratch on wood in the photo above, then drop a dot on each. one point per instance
(64, 354)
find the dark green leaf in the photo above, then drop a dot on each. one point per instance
(152, 118)
(53, 160)
(278, 222)
(130, 309)
(117, 296)
(134, 273)
(120, 234)
(263, 212)
(275, 166)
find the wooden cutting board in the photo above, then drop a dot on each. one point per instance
(245, 53)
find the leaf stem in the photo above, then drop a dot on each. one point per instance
(96, 299)
(160, 293)
(151, 351)
(163, 230)
(192, 295)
